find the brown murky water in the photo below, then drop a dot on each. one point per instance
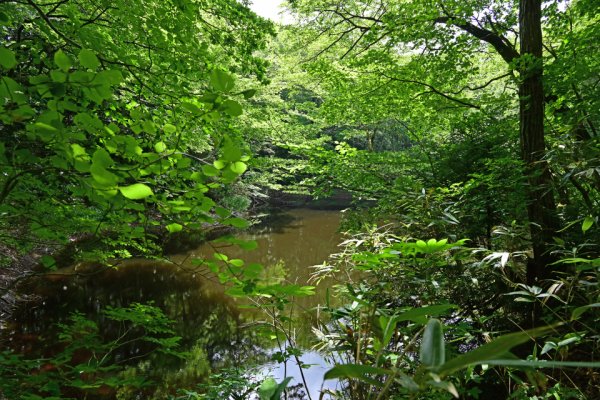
(204, 316)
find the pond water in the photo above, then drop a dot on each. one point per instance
(208, 321)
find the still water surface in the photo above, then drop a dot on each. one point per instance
(207, 319)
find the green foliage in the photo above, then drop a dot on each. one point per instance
(229, 384)
(86, 364)
(271, 390)
(126, 122)
(104, 131)
(432, 345)
(394, 312)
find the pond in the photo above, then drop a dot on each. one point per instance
(212, 325)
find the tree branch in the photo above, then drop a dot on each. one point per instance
(484, 85)
(432, 89)
(51, 25)
(500, 43)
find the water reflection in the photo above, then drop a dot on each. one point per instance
(208, 321)
(313, 375)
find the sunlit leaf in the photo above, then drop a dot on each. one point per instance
(219, 164)
(238, 167)
(587, 224)
(174, 227)
(136, 191)
(160, 147)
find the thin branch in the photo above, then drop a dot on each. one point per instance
(432, 89)
(97, 17)
(330, 45)
(51, 25)
(484, 85)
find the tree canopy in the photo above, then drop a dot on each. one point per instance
(465, 133)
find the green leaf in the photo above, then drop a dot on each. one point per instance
(169, 128)
(103, 177)
(419, 314)
(62, 60)
(209, 98)
(109, 77)
(174, 227)
(253, 270)
(219, 164)
(292, 290)
(149, 126)
(543, 363)
(238, 167)
(78, 151)
(136, 191)
(222, 212)
(221, 81)
(58, 76)
(220, 257)
(236, 222)
(189, 107)
(490, 351)
(209, 170)
(88, 59)
(580, 310)
(248, 93)
(45, 128)
(388, 327)
(4, 19)
(102, 158)
(231, 152)
(271, 390)
(160, 147)
(445, 385)
(432, 352)
(587, 223)
(236, 262)
(7, 58)
(100, 162)
(356, 371)
(232, 108)
(48, 262)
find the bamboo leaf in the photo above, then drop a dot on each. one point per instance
(356, 371)
(491, 351)
(432, 346)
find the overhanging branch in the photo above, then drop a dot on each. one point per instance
(506, 51)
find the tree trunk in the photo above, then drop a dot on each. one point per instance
(541, 207)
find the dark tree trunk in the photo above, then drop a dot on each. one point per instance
(541, 207)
